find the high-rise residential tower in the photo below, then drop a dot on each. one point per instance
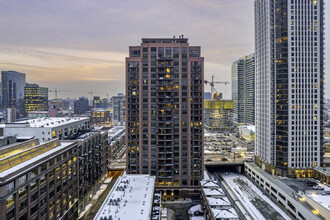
(289, 36)
(243, 80)
(35, 98)
(164, 113)
(118, 109)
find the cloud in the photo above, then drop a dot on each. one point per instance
(81, 40)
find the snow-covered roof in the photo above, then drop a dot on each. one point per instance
(130, 198)
(209, 184)
(229, 213)
(218, 201)
(213, 192)
(50, 122)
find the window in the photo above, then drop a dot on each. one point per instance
(22, 192)
(34, 209)
(34, 172)
(10, 214)
(10, 186)
(34, 197)
(10, 201)
(33, 185)
(23, 205)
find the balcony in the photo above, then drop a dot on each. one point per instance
(162, 58)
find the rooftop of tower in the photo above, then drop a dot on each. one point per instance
(179, 40)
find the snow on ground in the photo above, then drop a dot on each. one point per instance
(195, 208)
(248, 195)
(197, 218)
(108, 180)
(323, 200)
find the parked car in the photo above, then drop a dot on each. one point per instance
(317, 187)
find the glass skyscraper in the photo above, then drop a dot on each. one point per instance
(13, 84)
(36, 98)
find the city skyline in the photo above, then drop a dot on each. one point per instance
(58, 43)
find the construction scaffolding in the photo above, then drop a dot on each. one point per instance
(218, 116)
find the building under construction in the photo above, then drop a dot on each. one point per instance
(218, 115)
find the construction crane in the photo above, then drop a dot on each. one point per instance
(56, 91)
(213, 90)
(91, 92)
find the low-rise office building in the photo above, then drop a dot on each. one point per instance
(46, 129)
(38, 181)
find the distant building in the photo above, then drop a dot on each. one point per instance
(207, 96)
(164, 120)
(35, 98)
(218, 115)
(81, 106)
(247, 132)
(243, 80)
(11, 115)
(52, 112)
(118, 109)
(100, 116)
(46, 129)
(60, 104)
(13, 84)
(38, 114)
(100, 103)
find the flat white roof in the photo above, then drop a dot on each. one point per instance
(130, 198)
(52, 122)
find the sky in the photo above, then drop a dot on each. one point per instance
(80, 45)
